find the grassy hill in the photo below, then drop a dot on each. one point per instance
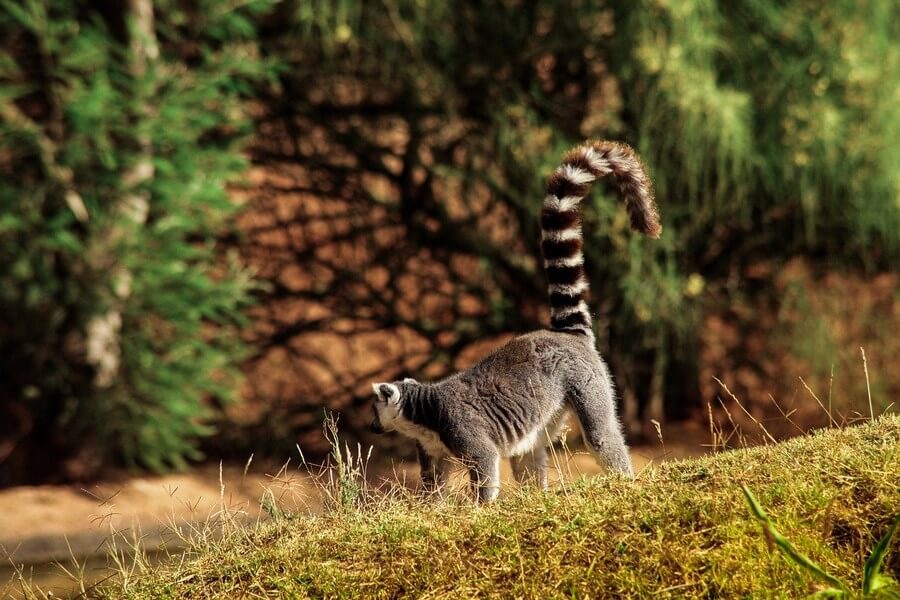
(683, 529)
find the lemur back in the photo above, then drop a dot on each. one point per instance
(513, 402)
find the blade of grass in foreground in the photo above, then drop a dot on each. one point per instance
(873, 580)
(790, 551)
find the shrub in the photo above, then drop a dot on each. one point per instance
(120, 130)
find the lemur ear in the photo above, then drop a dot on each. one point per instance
(387, 392)
(410, 380)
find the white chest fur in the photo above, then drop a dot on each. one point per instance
(540, 436)
(430, 441)
(527, 443)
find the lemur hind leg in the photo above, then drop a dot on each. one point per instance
(594, 405)
(531, 467)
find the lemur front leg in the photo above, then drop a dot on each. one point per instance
(484, 473)
(435, 472)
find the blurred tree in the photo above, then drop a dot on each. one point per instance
(406, 149)
(400, 160)
(118, 128)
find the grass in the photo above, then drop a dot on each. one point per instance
(683, 529)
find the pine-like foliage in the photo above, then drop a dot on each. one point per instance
(117, 317)
(778, 115)
(426, 129)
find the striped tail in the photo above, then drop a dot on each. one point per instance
(561, 238)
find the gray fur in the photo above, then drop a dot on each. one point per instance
(513, 402)
(509, 404)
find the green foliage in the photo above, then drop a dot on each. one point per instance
(114, 168)
(785, 110)
(874, 583)
(770, 129)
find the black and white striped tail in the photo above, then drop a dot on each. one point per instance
(561, 238)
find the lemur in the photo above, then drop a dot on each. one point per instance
(512, 403)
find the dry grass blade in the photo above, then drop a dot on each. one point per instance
(747, 412)
(659, 435)
(868, 389)
(816, 398)
(735, 429)
(787, 415)
(713, 434)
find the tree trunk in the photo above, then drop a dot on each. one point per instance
(104, 330)
(655, 410)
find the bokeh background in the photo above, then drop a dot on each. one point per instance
(219, 219)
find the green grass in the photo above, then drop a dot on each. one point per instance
(683, 529)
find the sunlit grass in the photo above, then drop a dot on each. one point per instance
(683, 529)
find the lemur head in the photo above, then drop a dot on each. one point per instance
(388, 404)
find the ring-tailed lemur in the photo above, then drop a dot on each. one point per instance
(512, 402)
